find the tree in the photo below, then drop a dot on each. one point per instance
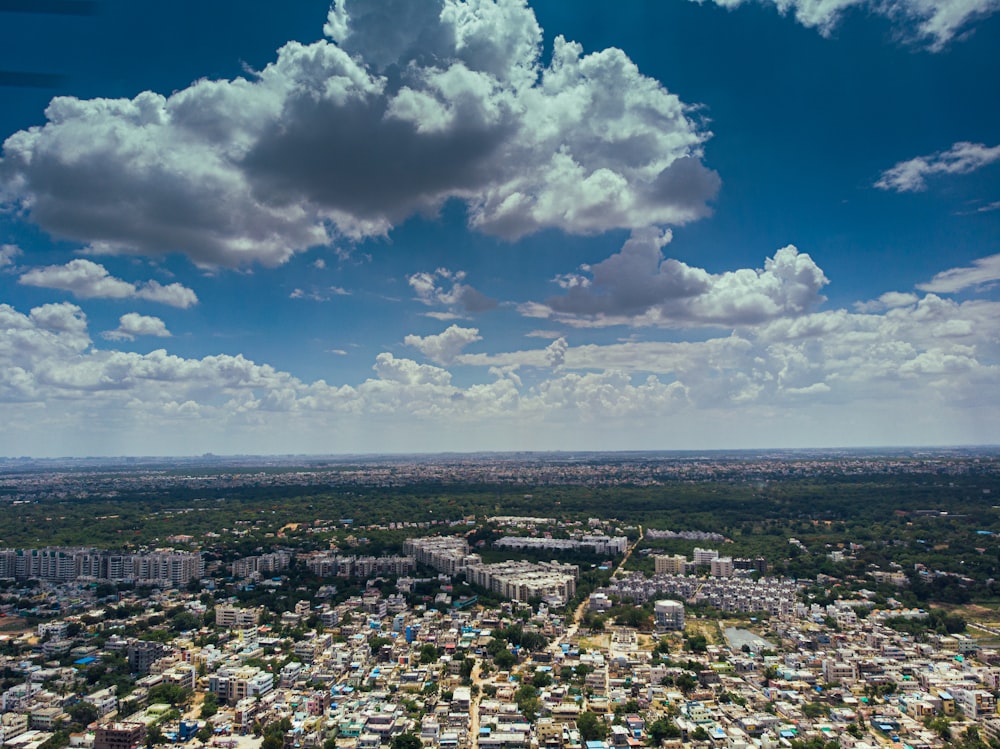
(408, 740)
(428, 653)
(814, 710)
(541, 679)
(686, 682)
(376, 643)
(504, 660)
(661, 729)
(210, 706)
(83, 713)
(468, 664)
(172, 694)
(272, 742)
(154, 735)
(696, 643)
(527, 701)
(592, 727)
(699, 734)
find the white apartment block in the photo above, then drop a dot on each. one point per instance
(705, 556)
(234, 616)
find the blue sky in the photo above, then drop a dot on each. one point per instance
(491, 225)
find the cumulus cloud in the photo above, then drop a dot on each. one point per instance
(132, 324)
(86, 279)
(444, 347)
(401, 108)
(864, 369)
(639, 286)
(888, 300)
(931, 22)
(555, 353)
(961, 158)
(945, 351)
(982, 271)
(446, 288)
(7, 254)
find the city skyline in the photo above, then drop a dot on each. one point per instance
(468, 226)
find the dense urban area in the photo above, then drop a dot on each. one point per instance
(792, 600)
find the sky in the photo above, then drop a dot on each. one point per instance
(481, 225)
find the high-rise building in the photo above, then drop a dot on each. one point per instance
(669, 615)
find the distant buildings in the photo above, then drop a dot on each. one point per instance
(522, 581)
(162, 568)
(595, 543)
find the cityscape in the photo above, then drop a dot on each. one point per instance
(666, 619)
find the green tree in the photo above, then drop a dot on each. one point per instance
(661, 729)
(504, 660)
(527, 702)
(541, 679)
(154, 735)
(172, 694)
(408, 740)
(592, 726)
(210, 706)
(83, 713)
(429, 653)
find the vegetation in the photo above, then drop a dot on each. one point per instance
(592, 726)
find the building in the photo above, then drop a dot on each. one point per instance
(231, 685)
(143, 653)
(234, 616)
(704, 557)
(448, 554)
(721, 567)
(120, 736)
(670, 564)
(669, 615)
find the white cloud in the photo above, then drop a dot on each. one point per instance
(639, 286)
(897, 376)
(86, 279)
(555, 353)
(460, 298)
(551, 334)
(393, 115)
(444, 347)
(982, 271)
(7, 254)
(888, 300)
(931, 22)
(133, 324)
(173, 294)
(961, 158)
(323, 295)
